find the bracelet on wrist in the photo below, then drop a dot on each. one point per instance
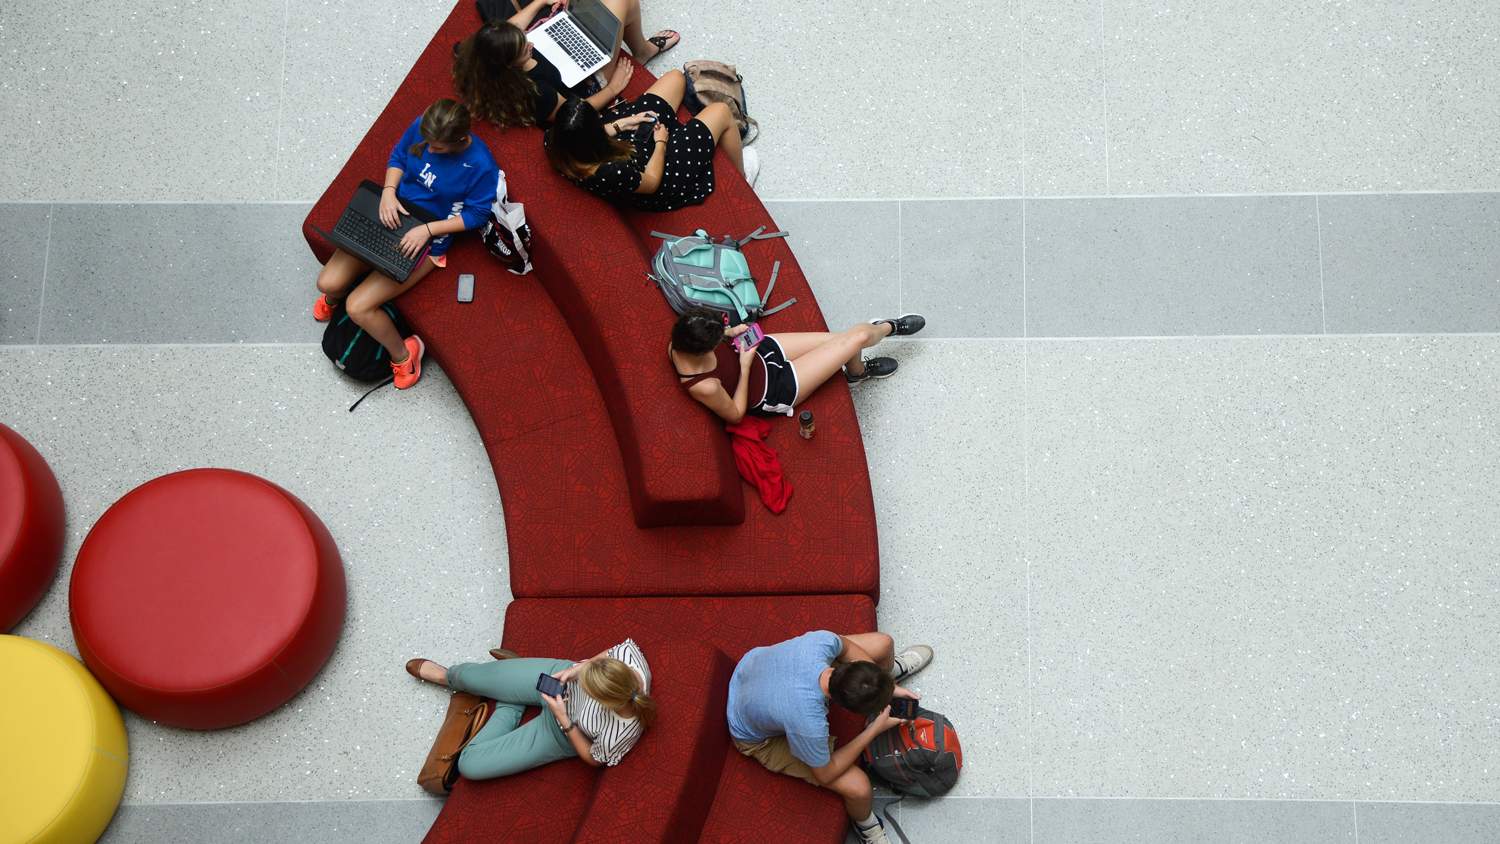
(390, 187)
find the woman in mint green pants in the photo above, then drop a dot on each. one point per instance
(605, 708)
(506, 746)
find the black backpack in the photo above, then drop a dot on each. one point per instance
(922, 758)
(357, 353)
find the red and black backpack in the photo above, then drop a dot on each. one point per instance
(922, 758)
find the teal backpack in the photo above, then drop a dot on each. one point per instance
(697, 270)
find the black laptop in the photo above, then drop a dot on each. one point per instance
(360, 232)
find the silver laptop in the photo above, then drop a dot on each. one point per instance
(578, 41)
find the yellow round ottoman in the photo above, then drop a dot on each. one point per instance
(63, 751)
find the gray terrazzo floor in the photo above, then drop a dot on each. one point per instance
(1228, 580)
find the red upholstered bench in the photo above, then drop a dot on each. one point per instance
(207, 598)
(31, 527)
(684, 781)
(624, 513)
(552, 415)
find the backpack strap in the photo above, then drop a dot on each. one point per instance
(900, 833)
(756, 235)
(775, 268)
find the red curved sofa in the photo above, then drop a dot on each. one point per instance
(624, 513)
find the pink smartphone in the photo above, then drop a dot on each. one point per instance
(749, 338)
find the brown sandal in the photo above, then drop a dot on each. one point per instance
(502, 653)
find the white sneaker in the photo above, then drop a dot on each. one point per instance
(910, 661)
(752, 164)
(873, 835)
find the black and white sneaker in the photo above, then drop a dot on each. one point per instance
(871, 835)
(874, 368)
(910, 661)
(904, 325)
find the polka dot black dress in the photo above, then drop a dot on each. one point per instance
(689, 175)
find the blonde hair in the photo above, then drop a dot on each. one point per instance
(444, 122)
(614, 684)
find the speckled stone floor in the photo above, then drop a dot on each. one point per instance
(1190, 482)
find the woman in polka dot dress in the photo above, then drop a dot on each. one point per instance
(639, 154)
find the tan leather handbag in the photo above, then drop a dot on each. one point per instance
(466, 716)
(717, 82)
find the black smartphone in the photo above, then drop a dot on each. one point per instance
(903, 707)
(549, 685)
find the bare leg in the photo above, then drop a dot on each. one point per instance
(880, 646)
(818, 364)
(671, 86)
(629, 13)
(854, 786)
(340, 274)
(720, 121)
(364, 307)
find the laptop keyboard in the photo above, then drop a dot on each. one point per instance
(370, 234)
(578, 48)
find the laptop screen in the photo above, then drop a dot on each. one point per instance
(598, 20)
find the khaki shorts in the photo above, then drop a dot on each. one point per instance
(776, 755)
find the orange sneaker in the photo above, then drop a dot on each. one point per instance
(322, 311)
(408, 371)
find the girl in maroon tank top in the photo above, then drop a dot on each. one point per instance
(780, 371)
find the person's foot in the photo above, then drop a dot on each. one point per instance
(910, 661)
(662, 41)
(322, 311)
(873, 834)
(874, 368)
(752, 164)
(426, 669)
(905, 324)
(408, 371)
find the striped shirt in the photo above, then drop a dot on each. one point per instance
(612, 736)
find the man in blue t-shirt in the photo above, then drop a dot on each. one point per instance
(778, 709)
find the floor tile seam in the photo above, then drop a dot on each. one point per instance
(1354, 811)
(41, 305)
(994, 198)
(898, 342)
(1328, 800)
(997, 197)
(4, 202)
(330, 800)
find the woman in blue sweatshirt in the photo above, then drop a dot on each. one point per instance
(439, 166)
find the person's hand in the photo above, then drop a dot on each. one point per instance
(569, 674)
(634, 120)
(391, 209)
(413, 241)
(884, 721)
(559, 707)
(736, 331)
(746, 356)
(660, 133)
(621, 77)
(908, 693)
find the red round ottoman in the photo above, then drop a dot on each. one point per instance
(31, 527)
(207, 598)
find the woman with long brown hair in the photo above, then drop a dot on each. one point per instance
(449, 173)
(604, 710)
(640, 155)
(503, 81)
